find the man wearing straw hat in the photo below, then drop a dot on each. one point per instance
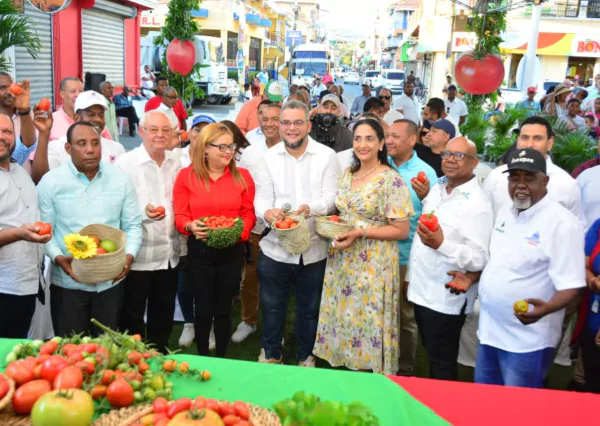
(82, 192)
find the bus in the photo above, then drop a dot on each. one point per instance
(307, 60)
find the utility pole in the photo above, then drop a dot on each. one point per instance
(529, 74)
(241, 62)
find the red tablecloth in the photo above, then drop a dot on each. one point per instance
(471, 404)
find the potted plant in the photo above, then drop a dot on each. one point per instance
(15, 30)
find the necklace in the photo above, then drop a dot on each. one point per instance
(366, 174)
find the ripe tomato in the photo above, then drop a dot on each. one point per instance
(50, 347)
(75, 357)
(185, 136)
(20, 372)
(69, 378)
(74, 408)
(200, 402)
(44, 104)
(160, 209)
(422, 177)
(169, 365)
(46, 229)
(242, 410)
(120, 394)
(96, 240)
(100, 251)
(37, 372)
(334, 218)
(143, 367)
(26, 396)
(40, 359)
(212, 405)
(184, 367)
(137, 337)
(230, 420)
(178, 406)
(4, 387)
(52, 366)
(98, 391)
(16, 89)
(160, 405)
(225, 409)
(86, 367)
(134, 357)
(430, 221)
(66, 349)
(201, 418)
(282, 225)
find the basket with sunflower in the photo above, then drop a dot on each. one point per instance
(88, 266)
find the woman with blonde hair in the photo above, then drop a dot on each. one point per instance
(213, 186)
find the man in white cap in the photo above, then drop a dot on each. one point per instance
(247, 118)
(90, 106)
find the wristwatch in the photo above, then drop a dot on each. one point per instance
(24, 113)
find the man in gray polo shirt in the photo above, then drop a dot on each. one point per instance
(21, 254)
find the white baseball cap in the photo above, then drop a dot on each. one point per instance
(88, 98)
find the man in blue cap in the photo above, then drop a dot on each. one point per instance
(442, 131)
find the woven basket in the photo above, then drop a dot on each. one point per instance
(11, 391)
(105, 267)
(295, 240)
(328, 229)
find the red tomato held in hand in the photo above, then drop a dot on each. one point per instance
(185, 136)
(479, 76)
(26, 396)
(430, 221)
(44, 104)
(120, 394)
(16, 89)
(422, 177)
(52, 366)
(69, 378)
(160, 209)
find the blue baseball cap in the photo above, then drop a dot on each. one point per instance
(202, 118)
(444, 125)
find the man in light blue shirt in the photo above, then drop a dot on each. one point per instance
(530, 105)
(359, 102)
(263, 76)
(82, 192)
(400, 140)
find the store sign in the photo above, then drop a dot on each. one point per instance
(150, 19)
(586, 46)
(50, 6)
(463, 41)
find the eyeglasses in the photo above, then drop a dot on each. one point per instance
(385, 98)
(296, 123)
(458, 156)
(223, 147)
(153, 131)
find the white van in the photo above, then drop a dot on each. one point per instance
(393, 80)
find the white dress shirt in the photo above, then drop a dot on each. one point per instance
(411, 109)
(589, 183)
(456, 108)
(311, 179)
(154, 185)
(170, 115)
(533, 255)
(391, 116)
(255, 136)
(345, 158)
(465, 246)
(561, 187)
(58, 155)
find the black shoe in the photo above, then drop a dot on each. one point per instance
(131, 133)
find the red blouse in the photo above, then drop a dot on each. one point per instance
(226, 198)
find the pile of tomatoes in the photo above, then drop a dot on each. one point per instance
(214, 222)
(287, 223)
(201, 411)
(4, 386)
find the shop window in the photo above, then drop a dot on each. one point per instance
(565, 8)
(593, 9)
(232, 49)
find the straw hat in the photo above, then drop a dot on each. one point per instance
(561, 89)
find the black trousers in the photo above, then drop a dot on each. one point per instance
(440, 334)
(131, 116)
(214, 278)
(15, 315)
(591, 362)
(72, 310)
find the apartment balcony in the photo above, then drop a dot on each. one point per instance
(276, 39)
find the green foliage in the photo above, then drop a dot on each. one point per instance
(16, 30)
(233, 74)
(476, 128)
(180, 25)
(572, 148)
(224, 237)
(502, 126)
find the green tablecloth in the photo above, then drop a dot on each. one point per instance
(265, 384)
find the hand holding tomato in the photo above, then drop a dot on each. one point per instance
(22, 97)
(459, 284)
(155, 213)
(432, 239)
(42, 120)
(129, 260)
(421, 185)
(345, 240)
(29, 232)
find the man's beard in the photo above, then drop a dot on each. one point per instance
(9, 154)
(295, 145)
(522, 204)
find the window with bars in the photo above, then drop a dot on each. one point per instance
(564, 9)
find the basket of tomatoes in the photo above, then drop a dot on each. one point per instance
(293, 233)
(223, 231)
(331, 226)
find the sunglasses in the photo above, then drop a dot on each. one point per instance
(385, 98)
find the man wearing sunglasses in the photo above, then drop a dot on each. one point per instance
(389, 114)
(455, 245)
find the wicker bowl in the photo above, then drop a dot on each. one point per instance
(9, 395)
(295, 240)
(106, 267)
(329, 229)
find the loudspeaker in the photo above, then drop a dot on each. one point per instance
(93, 80)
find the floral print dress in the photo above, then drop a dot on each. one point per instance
(359, 317)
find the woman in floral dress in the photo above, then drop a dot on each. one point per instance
(359, 316)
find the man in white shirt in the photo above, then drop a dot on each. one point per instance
(536, 132)
(317, 88)
(456, 245)
(390, 114)
(269, 124)
(148, 78)
(589, 183)
(455, 108)
(153, 277)
(408, 104)
(301, 173)
(257, 135)
(90, 106)
(536, 258)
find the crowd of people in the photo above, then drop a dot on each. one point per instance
(433, 232)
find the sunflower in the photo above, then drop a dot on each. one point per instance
(80, 246)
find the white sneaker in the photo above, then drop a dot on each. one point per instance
(243, 331)
(187, 336)
(263, 360)
(211, 340)
(308, 362)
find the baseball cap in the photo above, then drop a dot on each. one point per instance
(531, 89)
(444, 125)
(274, 91)
(202, 118)
(331, 98)
(88, 98)
(324, 93)
(452, 87)
(528, 160)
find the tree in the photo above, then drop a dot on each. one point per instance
(15, 30)
(180, 25)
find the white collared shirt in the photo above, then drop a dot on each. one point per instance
(170, 113)
(311, 179)
(465, 216)
(532, 256)
(345, 158)
(589, 183)
(58, 155)
(561, 187)
(391, 116)
(456, 109)
(411, 109)
(154, 185)
(255, 136)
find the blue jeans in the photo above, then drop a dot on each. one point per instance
(276, 280)
(184, 296)
(498, 367)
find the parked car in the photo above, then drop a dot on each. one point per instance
(372, 78)
(393, 80)
(352, 78)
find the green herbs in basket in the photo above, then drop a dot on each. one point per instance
(308, 410)
(223, 231)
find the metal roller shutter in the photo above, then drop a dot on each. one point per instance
(39, 70)
(104, 45)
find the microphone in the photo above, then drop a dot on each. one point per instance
(286, 207)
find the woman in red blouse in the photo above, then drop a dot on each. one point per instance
(213, 186)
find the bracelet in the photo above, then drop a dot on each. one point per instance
(364, 234)
(25, 112)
